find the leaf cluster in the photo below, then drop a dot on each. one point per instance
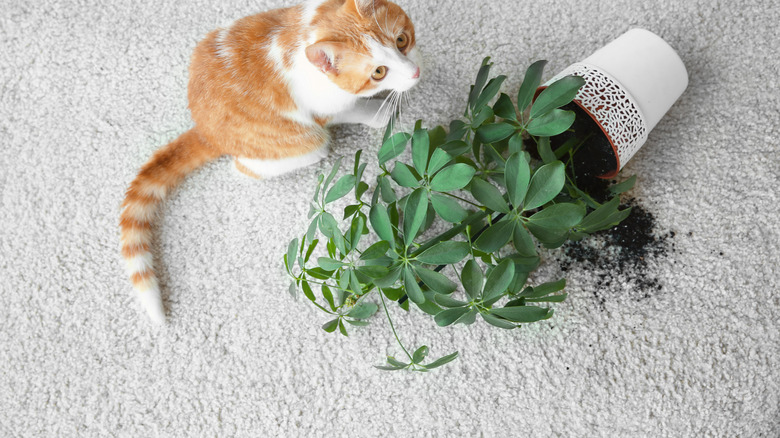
(478, 176)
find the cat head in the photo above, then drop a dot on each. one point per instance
(364, 46)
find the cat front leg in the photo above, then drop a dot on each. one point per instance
(375, 113)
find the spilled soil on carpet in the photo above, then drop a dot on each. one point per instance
(621, 257)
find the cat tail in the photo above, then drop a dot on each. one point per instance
(157, 178)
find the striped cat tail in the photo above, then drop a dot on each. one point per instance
(157, 178)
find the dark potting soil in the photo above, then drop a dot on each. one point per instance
(621, 255)
(595, 156)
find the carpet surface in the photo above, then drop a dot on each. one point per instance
(89, 89)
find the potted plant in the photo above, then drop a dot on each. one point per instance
(630, 84)
(498, 184)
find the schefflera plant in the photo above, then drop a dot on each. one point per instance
(478, 177)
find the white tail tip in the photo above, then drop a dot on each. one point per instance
(152, 303)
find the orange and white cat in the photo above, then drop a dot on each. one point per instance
(263, 91)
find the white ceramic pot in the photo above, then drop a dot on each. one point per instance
(629, 85)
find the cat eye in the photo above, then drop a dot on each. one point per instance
(379, 73)
(402, 41)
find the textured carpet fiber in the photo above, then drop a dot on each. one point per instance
(89, 89)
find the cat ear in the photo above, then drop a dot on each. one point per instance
(363, 8)
(324, 55)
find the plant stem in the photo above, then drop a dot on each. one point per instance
(392, 327)
(461, 199)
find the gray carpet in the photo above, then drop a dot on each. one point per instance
(89, 89)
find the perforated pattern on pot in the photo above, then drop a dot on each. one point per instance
(612, 107)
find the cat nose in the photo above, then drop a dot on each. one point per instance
(416, 73)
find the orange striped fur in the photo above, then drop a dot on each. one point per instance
(263, 91)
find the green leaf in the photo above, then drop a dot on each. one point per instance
(468, 318)
(545, 151)
(445, 253)
(498, 280)
(363, 310)
(377, 250)
(319, 273)
(552, 123)
(447, 301)
(544, 289)
(392, 147)
(504, 108)
(548, 237)
(343, 186)
(435, 280)
(524, 245)
(380, 222)
(312, 231)
(420, 149)
(388, 368)
(331, 325)
(307, 291)
(386, 190)
(458, 129)
(452, 177)
(548, 299)
(420, 354)
(292, 249)
(488, 195)
(490, 91)
(479, 84)
(455, 148)
(624, 186)
(356, 231)
(437, 136)
(329, 264)
(412, 288)
(342, 329)
(516, 143)
(429, 306)
(373, 272)
(332, 173)
(531, 81)
(396, 363)
(481, 117)
(442, 361)
(448, 208)
(545, 185)
(494, 132)
(561, 216)
(414, 214)
(357, 322)
(360, 187)
(403, 175)
(516, 175)
(293, 290)
(472, 279)
(328, 295)
(438, 160)
(448, 316)
(350, 210)
(498, 322)
(559, 93)
(495, 236)
(522, 313)
(389, 280)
